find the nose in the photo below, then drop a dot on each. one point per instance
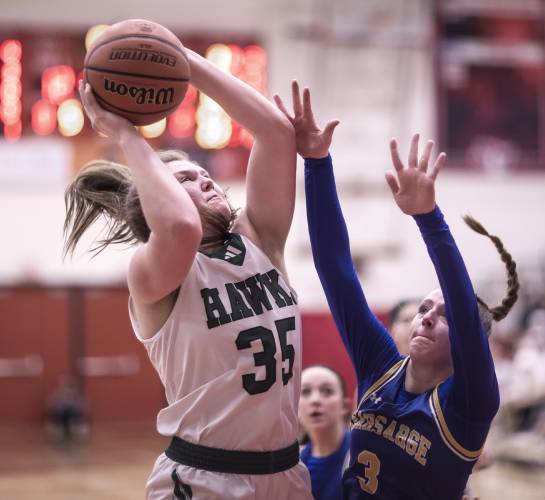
(206, 184)
(428, 320)
(314, 397)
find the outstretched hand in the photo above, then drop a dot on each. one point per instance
(311, 140)
(104, 122)
(414, 186)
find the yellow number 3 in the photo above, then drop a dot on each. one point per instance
(372, 469)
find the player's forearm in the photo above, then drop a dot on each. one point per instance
(326, 224)
(243, 103)
(165, 203)
(366, 340)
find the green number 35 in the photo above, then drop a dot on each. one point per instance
(266, 356)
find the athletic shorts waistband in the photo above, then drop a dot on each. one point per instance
(232, 461)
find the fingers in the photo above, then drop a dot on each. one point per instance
(280, 105)
(392, 182)
(398, 165)
(413, 152)
(296, 98)
(425, 158)
(329, 129)
(87, 100)
(90, 98)
(307, 107)
(439, 163)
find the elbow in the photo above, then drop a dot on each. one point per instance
(283, 127)
(495, 403)
(278, 128)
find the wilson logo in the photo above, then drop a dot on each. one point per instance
(141, 95)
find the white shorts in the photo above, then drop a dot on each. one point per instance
(197, 484)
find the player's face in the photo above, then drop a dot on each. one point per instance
(322, 402)
(401, 327)
(428, 340)
(201, 188)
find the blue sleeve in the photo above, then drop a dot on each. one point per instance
(369, 345)
(473, 388)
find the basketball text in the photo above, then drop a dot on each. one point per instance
(141, 95)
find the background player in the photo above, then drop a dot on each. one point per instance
(212, 307)
(400, 319)
(421, 420)
(323, 412)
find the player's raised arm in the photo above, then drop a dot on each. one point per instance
(366, 340)
(270, 182)
(161, 263)
(447, 337)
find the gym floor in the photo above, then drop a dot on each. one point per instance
(115, 463)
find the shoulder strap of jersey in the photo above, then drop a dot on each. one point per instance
(390, 375)
(444, 431)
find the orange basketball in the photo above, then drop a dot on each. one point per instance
(139, 70)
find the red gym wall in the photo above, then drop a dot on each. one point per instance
(46, 333)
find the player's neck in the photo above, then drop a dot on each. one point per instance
(421, 377)
(212, 241)
(326, 441)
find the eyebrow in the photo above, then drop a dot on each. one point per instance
(327, 385)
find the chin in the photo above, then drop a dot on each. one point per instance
(418, 352)
(221, 207)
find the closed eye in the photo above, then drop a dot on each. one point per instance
(423, 309)
(181, 178)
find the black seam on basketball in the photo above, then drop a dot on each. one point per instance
(133, 35)
(160, 111)
(126, 73)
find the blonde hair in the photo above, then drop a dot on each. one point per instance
(105, 188)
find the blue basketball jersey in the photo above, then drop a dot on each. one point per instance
(403, 445)
(326, 472)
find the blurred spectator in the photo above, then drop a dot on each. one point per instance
(520, 427)
(66, 418)
(400, 318)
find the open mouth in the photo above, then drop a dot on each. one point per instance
(316, 414)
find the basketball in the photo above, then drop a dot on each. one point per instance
(139, 70)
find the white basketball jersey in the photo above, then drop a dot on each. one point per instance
(229, 355)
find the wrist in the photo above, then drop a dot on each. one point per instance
(316, 156)
(127, 135)
(317, 162)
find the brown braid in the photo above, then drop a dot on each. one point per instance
(498, 312)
